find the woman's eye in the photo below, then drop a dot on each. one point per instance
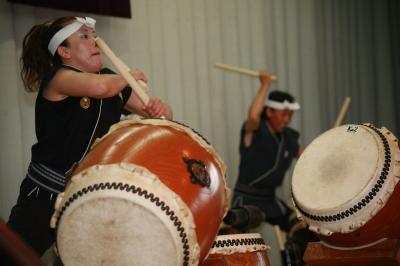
(84, 35)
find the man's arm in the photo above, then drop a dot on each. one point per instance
(256, 108)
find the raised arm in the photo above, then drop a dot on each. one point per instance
(257, 105)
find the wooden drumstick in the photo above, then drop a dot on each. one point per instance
(281, 244)
(249, 72)
(278, 235)
(123, 70)
(343, 111)
(142, 84)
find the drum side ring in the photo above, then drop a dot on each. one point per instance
(238, 243)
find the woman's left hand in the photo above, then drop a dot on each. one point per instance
(156, 108)
(138, 75)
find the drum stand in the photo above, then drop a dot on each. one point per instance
(14, 251)
(385, 253)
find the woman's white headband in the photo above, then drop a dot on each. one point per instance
(67, 31)
(283, 105)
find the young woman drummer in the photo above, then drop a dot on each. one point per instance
(77, 101)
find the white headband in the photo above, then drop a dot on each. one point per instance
(67, 31)
(284, 105)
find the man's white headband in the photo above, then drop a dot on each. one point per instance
(283, 105)
(67, 31)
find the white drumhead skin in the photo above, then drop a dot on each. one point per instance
(145, 225)
(344, 177)
(335, 168)
(111, 231)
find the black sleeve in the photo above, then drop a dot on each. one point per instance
(126, 92)
(48, 77)
(293, 133)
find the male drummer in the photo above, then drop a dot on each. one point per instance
(267, 148)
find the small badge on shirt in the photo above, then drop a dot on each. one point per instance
(285, 153)
(85, 102)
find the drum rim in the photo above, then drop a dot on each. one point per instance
(238, 243)
(334, 220)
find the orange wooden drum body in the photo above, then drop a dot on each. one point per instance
(166, 149)
(238, 249)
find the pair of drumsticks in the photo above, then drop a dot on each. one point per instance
(139, 87)
(338, 122)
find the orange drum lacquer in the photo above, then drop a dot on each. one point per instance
(178, 157)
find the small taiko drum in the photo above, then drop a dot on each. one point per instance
(238, 249)
(149, 192)
(345, 186)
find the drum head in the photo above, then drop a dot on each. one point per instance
(115, 231)
(335, 168)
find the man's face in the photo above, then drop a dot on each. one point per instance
(279, 119)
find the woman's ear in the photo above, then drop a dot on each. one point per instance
(64, 52)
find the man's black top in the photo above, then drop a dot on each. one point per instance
(263, 164)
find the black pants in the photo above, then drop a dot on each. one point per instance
(30, 217)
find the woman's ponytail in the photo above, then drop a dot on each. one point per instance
(36, 60)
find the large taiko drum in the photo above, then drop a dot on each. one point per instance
(345, 186)
(238, 249)
(149, 192)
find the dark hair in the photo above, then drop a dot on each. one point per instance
(280, 96)
(277, 96)
(36, 59)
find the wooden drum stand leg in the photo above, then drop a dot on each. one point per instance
(13, 251)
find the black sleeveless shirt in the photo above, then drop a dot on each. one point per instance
(64, 128)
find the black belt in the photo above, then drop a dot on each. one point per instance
(246, 189)
(46, 177)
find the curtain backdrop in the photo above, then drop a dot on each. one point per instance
(321, 51)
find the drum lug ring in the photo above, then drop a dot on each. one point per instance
(198, 172)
